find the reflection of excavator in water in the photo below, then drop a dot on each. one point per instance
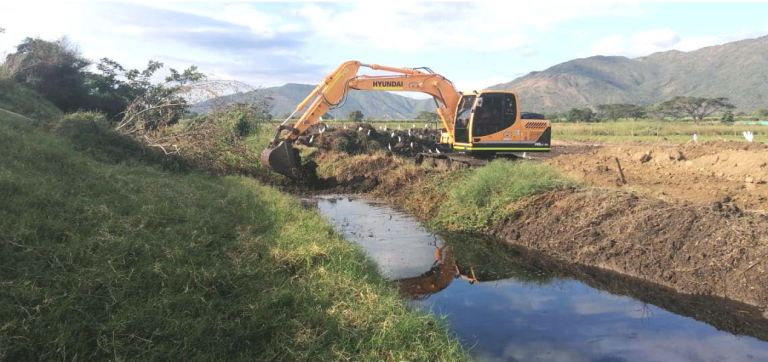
(437, 278)
(488, 121)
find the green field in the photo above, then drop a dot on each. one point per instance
(651, 130)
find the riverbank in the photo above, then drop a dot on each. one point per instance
(710, 249)
(112, 258)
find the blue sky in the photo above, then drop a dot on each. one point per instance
(474, 44)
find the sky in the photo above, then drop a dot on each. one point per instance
(476, 45)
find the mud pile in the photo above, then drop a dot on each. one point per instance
(699, 172)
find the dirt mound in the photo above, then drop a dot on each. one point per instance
(698, 149)
(692, 248)
(699, 172)
(365, 138)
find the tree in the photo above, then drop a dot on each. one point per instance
(427, 116)
(621, 110)
(579, 115)
(697, 108)
(727, 117)
(355, 115)
(53, 68)
(156, 105)
(762, 113)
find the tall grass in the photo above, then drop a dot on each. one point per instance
(485, 195)
(122, 261)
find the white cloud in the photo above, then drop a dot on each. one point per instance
(659, 40)
(448, 27)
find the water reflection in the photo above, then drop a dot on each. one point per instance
(510, 304)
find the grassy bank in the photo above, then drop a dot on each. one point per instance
(112, 259)
(16, 98)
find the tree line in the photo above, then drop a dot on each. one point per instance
(695, 108)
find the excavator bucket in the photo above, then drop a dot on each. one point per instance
(283, 159)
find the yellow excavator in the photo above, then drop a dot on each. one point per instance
(474, 122)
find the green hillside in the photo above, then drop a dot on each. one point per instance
(18, 99)
(106, 258)
(737, 70)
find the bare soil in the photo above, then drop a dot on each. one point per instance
(692, 248)
(704, 172)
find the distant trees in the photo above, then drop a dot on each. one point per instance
(621, 110)
(355, 115)
(727, 117)
(579, 115)
(762, 113)
(427, 116)
(696, 107)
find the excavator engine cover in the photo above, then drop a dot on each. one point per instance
(283, 159)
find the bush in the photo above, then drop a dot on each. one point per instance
(90, 132)
(727, 118)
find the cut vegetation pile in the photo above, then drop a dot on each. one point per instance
(106, 257)
(364, 138)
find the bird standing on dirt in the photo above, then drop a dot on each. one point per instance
(695, 138)
(749, 136)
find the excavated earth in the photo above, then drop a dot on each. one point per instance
(704, 172)
(689, 217)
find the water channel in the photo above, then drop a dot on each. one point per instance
(509, 304)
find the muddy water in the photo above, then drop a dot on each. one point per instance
(508, 304)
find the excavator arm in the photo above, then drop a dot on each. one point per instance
(332, 91)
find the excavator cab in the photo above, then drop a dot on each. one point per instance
(490, 121)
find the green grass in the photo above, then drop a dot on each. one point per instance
(653, 130)
(484, 196)
(16, 98)
(104, 260)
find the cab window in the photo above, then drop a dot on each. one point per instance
(494, 113)
(463, 114)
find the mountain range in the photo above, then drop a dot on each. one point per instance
(737, 70)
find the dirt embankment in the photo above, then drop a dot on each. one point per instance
(698, 172)
(709, 248)
(691, 248)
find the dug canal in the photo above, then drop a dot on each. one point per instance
(509, 304)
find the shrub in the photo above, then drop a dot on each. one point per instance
(727, 117)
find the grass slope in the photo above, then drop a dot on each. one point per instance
(119, 261)
(16, 98)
